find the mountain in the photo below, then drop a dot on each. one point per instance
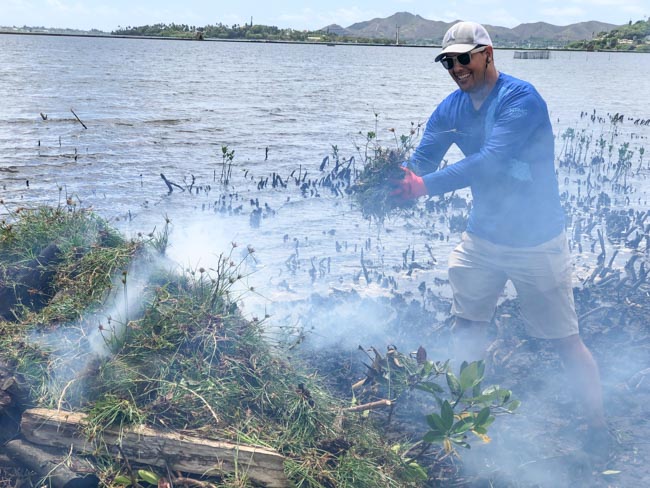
(573, 32)
(411, 27)
(414, 28)
(337, 30)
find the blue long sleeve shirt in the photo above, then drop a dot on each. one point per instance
(509, 162)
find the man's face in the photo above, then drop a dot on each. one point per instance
(469, 77)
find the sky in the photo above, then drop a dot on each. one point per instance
(107, 15)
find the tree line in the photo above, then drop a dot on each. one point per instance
(236, 31)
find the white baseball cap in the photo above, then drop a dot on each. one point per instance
(463, 37)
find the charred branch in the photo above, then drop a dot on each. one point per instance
(171, 184)
(61, 470)
(78, 119)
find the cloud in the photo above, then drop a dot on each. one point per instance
(606, 3)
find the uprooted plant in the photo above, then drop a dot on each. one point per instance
(374, 183)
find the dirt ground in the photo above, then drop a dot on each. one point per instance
(541, 445)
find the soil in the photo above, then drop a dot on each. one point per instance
(542, 444)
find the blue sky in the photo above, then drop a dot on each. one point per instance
(306, 14)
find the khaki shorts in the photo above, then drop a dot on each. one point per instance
(479, 270)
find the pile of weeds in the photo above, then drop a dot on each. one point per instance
(182, 358)
(380, 176)
(375, 183)
(91, 253)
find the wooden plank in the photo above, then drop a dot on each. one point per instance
(148, 446)
(61, 469)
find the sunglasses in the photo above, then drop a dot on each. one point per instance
(464, 59)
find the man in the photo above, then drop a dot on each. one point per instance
(515, 229)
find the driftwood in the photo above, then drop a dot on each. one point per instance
(7, 462)
(62, 470)
(12, 395)
(171, 184)
(147, 446)
(78, 119)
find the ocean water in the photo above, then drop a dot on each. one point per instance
(147, 107)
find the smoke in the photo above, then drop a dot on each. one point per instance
(74, 347)
(339, 322)
(199, 242)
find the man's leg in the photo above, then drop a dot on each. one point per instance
(469, 339)
(583, 373)
(476, 284)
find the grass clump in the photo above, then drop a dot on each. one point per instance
(182, 358)
(87, 255)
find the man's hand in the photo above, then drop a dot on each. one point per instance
(410, 187)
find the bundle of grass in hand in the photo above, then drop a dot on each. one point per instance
(375, 183)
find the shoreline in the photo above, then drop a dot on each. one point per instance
(275, 41)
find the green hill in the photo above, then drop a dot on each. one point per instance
(631, 37)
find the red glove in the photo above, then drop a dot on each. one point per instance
(410, 187)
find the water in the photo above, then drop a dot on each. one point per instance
(153, 106)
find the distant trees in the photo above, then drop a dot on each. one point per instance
(158, 30)
(236, 31)
(218, 31)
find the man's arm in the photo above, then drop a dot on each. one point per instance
(436, 140)
(518, 115)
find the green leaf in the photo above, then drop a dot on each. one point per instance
(514, 405)
(148, 476)
(427, 367)
(429, 387)
(491, 391)
(479, 399)
(497, 394)
(433, 437)
(435, 422)
(462, 425)
(461, 443)
(482, 416)
(452, 382)
(469, 376)
(481, 368)
(480, 430)
(447, 414)
(122, 480)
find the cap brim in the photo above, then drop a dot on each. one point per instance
(455, 48)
